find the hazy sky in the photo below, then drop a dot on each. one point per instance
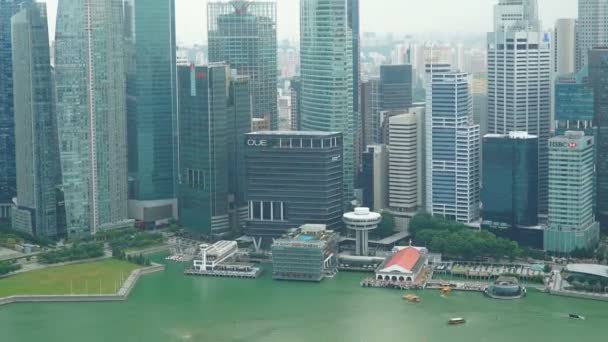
(400, 16)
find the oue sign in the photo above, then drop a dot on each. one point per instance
(253, 142)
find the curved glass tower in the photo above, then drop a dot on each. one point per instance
(326, 58)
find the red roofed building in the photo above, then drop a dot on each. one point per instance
(403, 266)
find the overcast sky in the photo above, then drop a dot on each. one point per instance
(399, 16)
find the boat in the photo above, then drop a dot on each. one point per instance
(459, 320)
(575, 316)
(446, 291)
(412, 298)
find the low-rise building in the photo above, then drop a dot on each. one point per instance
(308, 253)
(405, 265)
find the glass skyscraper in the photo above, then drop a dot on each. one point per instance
(326, 58)
(151, 108)
(574, 103)
(243, 34)
(591, 29)
(452, 149)
(38, 168)
(91, 110)
(396, 87)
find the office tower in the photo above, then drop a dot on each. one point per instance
(370, 112)
(91, 111)
(244, 35)
(563, 47)
(292, 178)
(591, 30)
(519, 79)
(295, 90)
(452, 145)
(571, 222)
(573, 103)
(353, 19)
(479, 92)
(598, 77)
(8, 183)
(203, 178)
(396, 87)
(37, 159)
(374, 177)
(509, 194)
(151, 109)
(326, 48)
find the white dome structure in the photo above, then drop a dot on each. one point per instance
(362, 220)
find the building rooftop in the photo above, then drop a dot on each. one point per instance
(589, 269)
(406, 259)
(294, 133)
(362, 214)
(512, 135)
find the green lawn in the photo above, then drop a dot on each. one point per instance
(80, 278)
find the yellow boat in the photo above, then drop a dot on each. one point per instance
(412, 298)
(446, 291)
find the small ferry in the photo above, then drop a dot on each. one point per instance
(412, 298)
(454, 321)
(575, 316)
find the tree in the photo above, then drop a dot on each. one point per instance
(547, 268)
(387, 225)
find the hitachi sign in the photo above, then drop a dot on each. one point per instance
(254, 142)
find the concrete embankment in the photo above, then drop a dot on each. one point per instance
(122, 294)
(579, 295)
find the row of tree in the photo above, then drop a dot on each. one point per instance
(78, 251)
(6, 268)
(456, 240)
(136, 259)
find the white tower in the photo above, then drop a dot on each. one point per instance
(362, 221)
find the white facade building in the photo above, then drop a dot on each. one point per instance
(563, 47)
(592, 28)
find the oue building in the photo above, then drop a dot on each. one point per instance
(292, 178)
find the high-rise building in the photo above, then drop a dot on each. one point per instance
(295, 90)
(563, 47)
(406, 178)
(573, 103)
(519, 79)
(243, 34)
(479, 92)
(510, 187)
(239, 124)
(38, 168)
(396, 87)
(452, 149)
(592, 29)
(91, 111)
(203, 178)
(8, 183)
(292, 178)
(370, 112)
(598, 77)
(374, 177)
(151, 109)
(571, 223)
(326, 49)
(353, 20)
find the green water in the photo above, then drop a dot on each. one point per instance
(171, 307)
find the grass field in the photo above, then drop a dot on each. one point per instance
(89, 278)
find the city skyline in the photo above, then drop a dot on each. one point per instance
(423, 17)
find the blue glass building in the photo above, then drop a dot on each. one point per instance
(574, 103)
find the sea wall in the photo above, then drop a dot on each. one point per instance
(122, 294)
(580, 295)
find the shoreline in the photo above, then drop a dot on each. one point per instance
(121, 295)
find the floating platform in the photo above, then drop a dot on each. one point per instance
(253, 274)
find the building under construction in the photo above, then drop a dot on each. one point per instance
(308, 253)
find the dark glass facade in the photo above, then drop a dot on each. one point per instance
(151, 98)
(295, 89)
(239, 124)
(292, 178)
(598, 76)
(396, 87)
(510, 186)
(203, 148)
(573, 103)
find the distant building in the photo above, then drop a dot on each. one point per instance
(563, 47)
(292, 178)
(452, 145)
(404, 266)
(308, 253)
(244, 35)
(295, 90)
(396, 87)
(151, 109)
(591, 30)
(370, 112)
(571, 222)
(479, 93)
(574, 103)
(35, 209)
(374, 177)
(510, 187)
(258, 125)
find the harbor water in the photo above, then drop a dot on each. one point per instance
(170, 306)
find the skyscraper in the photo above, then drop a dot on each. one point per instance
(7, 124)
(598, 77)
(563, 47)
(243, 34)
(151, 109)
(374, 177)
(38, 167)
(239, 124)
(92, 120)
(592, 29)
(452, 149)
(326, 54)
(295, 91)
(519, 79)
(571, 222)
(203, 179)
(370, 112)
(574, 103)
(396, 87)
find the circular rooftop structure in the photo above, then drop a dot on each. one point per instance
(362, 219)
